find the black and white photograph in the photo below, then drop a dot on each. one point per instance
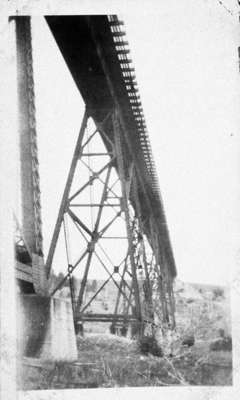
(119, 199)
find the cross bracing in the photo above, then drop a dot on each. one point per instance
(102, 220)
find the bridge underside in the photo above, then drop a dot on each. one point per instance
(113, 147)
(96, 54)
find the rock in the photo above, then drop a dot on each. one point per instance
(112, 329)
(148, 345)
(123, 331)
(221, 344)
(188, 340)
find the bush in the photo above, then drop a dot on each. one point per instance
(222, 344)
(148, 344)
(217, 293)
(190, 300)
(188, 340)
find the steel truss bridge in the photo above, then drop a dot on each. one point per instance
(97, 55)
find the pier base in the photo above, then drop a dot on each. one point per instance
(45, 328)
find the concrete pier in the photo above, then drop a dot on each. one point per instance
(45, 328)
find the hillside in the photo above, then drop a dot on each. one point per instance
(200, 308)
(203, 309)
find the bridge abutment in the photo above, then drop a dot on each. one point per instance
(45, 328)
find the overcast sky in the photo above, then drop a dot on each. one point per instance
(185, 56)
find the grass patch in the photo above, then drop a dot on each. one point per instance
(112, 361)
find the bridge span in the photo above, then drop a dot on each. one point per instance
(98, 57)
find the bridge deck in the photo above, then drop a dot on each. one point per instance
(98, 64)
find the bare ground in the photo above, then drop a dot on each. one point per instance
(111, 361)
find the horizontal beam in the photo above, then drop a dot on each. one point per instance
(95, 154)
(110, 318)
(104, 317)
(95, 205)
(87, 319)
(24, 272)
(114, 237)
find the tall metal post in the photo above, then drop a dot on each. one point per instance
(158, 256)
(31, 223)
(121, 286)
(118, 147)
(147, 278)
(30, 189)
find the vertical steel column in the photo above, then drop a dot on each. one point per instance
(172, 302)
(138, 208)
(30, 189)
(158, 257)
(169, 285)
(120, 290)
(69, 260)
(118, 147)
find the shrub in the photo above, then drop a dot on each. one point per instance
(148, 344)
(222, 344)
(218, 292)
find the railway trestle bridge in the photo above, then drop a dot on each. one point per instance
(122, 228)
